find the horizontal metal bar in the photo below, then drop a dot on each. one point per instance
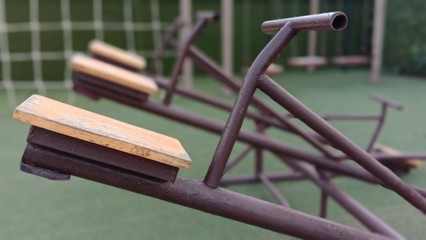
(389, 102)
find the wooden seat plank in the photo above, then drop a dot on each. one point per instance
(412, 162)
(91, 127)
(351, 60)
(113, 74)
(307, 61)
(117, 54)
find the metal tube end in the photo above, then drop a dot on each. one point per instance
(339, 21)
(336, 21)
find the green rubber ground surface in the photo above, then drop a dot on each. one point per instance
(35, 208)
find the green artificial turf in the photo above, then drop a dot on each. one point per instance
(35, 208)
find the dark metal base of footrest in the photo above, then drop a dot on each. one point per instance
(96, 88)
(42, 172)
(72, 146)
(45, 162)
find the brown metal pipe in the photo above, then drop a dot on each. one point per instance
(328, 21)
(273, 177)
(263, 60)
(205, 63)
(311, 119)
(273, 190)
(357, 210)
(196, 195)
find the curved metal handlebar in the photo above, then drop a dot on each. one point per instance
(209, 15)
(384, 100)
(330, 21)
(286, 29)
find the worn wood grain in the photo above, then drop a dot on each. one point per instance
(113, 73)
(91, 127)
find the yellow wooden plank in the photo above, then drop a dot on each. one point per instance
(117, 54)
(413, 162)
(113, 74)
(91, 127)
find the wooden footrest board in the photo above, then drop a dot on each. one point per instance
(90, 127)
(117, 54)
(307, 61)
(109, 72)
(351, 60)
(90, 151)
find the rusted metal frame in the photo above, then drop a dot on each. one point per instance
(215, 71)
(385, 103)
(196, 195)
(160, 48)
(273, 190)
(254, 139)
(202, 21)
(323, 194)
(278, 94)
(379, 127)
(273, 177)
(340, 168)
(421, 191)
(379, 118)
(328, 132)
(357, 210)
(238, 158)
(258, 161)
(245, 95)
(259, 172)
(172, 85)
(324, 21)
(195, 53)
(354, 117)
(210, 125)
(384, 100)
(95, 90)
(210, 67)
(204, 98)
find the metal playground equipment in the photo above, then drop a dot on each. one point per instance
(70, 141)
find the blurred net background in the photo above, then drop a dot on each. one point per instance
(37, 37)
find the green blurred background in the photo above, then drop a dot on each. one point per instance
(405, 50)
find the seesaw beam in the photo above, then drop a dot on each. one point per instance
(195, 194)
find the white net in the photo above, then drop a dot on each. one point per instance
(38, 37)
